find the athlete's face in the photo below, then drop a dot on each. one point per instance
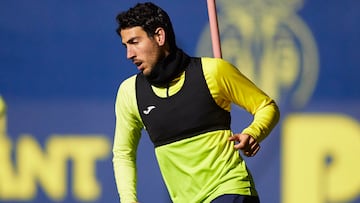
(142, 50)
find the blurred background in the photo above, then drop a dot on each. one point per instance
(61, 63)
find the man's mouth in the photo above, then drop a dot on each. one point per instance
(138, 64)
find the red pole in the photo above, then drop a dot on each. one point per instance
(214, 29)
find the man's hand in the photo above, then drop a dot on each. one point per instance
(247, 144)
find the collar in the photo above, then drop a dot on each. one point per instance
(169, 68)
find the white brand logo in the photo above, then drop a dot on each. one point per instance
(148, 109)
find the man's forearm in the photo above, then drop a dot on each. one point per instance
(264, 121)
(125, 176)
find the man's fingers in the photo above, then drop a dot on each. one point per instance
(240, 146)
(254, 149)
(234, 138)
(243, 141)
(247, 144)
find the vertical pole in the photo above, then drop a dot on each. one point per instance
(214, 28)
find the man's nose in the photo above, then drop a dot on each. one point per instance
(130, 53)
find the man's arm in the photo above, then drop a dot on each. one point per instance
(228, 85)
(127, 135)
(265, 119)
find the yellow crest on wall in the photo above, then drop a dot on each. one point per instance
(268, 42)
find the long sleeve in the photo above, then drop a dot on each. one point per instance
(228, 85)
(127, 135)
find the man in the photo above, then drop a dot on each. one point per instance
(184, 104)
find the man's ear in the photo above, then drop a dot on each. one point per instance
(160, 36)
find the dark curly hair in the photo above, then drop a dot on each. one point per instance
(150, 17)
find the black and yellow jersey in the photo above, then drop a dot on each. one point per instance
(196, 168)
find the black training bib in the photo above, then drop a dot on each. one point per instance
(189, 112)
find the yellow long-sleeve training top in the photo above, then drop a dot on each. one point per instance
(202, 167)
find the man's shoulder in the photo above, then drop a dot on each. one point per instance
(130, 81)
(215, 66)
(214, 62)
(127, 86)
